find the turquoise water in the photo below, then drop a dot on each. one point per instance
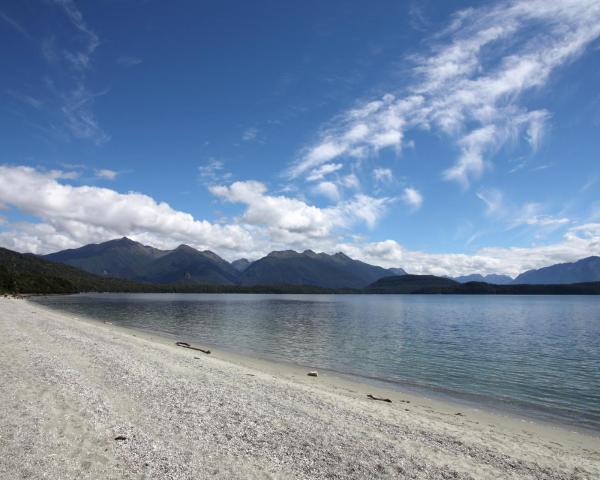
(538, 355)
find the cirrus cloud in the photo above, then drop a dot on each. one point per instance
(469, 87)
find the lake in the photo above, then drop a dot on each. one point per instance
(536, 355)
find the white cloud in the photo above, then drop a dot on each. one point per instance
(71, 216)
(531, 214)
(213, 171)
(328, 189)
(383, 175)
(106, 174)
(412, 197)
(515, 215)
(350, 181)
(493, 200)
(292, 220)
(470, 86)
(322, 153)
(363, 207)
(546, 220)
(69, 86)
(578, 242)
(324, 170)
(72, 175)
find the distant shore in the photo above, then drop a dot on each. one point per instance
(82, 399)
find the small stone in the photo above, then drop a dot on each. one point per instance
(313, 374)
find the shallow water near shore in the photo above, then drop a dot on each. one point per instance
(537, 355)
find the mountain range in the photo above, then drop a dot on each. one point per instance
(29, 274)
(584, 270)
(130, 260)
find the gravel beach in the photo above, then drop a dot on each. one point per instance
(81, 399)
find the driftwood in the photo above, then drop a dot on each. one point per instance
(372, 397)
(187, 345)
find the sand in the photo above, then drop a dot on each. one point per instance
(71, 386)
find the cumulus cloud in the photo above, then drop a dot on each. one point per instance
(70, 216)
(74, 215)
(294, 221)
(329, 190)
(470, 86)
(578, 242)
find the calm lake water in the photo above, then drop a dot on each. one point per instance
(538, 355)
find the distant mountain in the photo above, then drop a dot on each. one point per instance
(584, 270)
(491, 278)
(310, 268)
(397, 271)
(188, 265)
(133, 261)
(122, 258)
(241, 264)
(410, 284)
(26, 273)
(429, 284)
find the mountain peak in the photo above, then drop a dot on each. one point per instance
(186, 248)
(124, 241)
(342, 256)
(212, 256)
(283, 254)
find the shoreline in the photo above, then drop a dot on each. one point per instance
(425, 435)
(529, 413)
(443, 399)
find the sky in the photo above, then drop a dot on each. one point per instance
(441, 137)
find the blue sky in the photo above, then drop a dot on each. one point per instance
(442, 137)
